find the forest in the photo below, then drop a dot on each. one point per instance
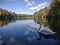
(6, 15)
(49, 15)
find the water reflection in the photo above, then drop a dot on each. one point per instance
(6, 22)
(24, 32)
(46, 33)
(52, 25)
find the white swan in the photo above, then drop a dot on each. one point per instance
(46, 31)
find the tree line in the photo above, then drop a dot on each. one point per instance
(5, 14)
(51, 14)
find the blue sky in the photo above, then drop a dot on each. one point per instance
(24, 6)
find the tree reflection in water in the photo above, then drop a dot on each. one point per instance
(45, 33)
(5, 22)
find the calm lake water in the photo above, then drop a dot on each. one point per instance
(23, 32)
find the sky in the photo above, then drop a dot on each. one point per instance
(24, 6)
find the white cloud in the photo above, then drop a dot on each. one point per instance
(29, 4)
(26, 1)
(36, 8)
(21, 11)
(33, 2)
(39, 6)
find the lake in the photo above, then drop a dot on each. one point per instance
(23, 32)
